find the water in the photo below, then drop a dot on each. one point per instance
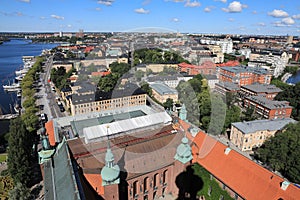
(11, 60)
(295, 78)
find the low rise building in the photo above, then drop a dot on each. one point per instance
(268, 109)
(243, 75)
(252, 134)
(162, 92)
(94, 102)
(206, 68)
(224, 87)
(269, 91)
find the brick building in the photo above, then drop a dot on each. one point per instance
(206, 68)
(268, 109)
(244, 75)
(269, 91)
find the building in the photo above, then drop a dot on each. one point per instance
(269, 91)
(97, 101)
(206, 68)
(162, 92)
(268, 109)
(68, 66)
(171, 81)
(129, 153)
(243, 75)
(240, 176)
(212, 80)
(252, 134)
(225, 87)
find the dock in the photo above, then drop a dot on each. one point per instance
(9, 116)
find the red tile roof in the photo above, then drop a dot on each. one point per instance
(50, 131)
(95, 181)
(100, 73)
(230, 63)
(245, 177)
(204, 65)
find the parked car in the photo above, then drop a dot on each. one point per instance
(44, 117)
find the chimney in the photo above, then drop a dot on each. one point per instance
(227, 150)
(284, 185)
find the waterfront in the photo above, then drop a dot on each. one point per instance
(11, 53)
(294, 79)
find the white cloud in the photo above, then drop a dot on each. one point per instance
(231, 19)
(176, 1)
(288, 21)
(296, 16)
(98, 9)
(254, 12)
(209, 8)
(26, 1)
(224, 1)
(106, 2)
(57, 17)
(192, 4)
(278, 13)
(242, 28)
(141, 11)
(235, 7)
(175, 19)
(42, 17)
(261, 24)
(69, 25)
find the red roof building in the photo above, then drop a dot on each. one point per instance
(206, 68)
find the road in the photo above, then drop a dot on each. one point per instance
(46, 97)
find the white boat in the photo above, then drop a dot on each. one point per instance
(12, 87)
(22, 71)
(19, 93)
(20, 77)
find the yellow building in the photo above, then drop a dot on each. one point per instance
(248, 135)
(67, 66)
(162, 92)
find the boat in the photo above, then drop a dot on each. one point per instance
(20, 77)
(17, 108)
(19, 93)
(22, 71)
(12, 87)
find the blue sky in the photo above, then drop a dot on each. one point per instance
(278, 17)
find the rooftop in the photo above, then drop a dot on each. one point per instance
(229, 86)
(163, 89)
(261, 125)
(245, 177)
(262, 88)
(244, 69)
(270, 104)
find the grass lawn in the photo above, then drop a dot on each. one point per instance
(3, 157)
(209, 185)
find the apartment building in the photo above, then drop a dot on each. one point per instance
(268, 109)
(269, 91)
(206, 68)
(252, 134)
(243, 75)
(98, 101)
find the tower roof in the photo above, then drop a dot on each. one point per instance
(184, 151)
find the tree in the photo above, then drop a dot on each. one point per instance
(20, 192)
(168, 104)
(139, 74)
(281, 152)
(119, 68)
(108, 83)
(19, 154)
(145, 86)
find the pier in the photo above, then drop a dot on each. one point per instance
(9, 116)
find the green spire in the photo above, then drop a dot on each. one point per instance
(110, 172)
(184, 151)
(183, 113)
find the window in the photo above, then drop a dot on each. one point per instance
(146, 182)
(155, 180)
(165, 174)
(135, 188)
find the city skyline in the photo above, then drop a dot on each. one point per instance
(212, 16)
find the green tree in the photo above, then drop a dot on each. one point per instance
(168, 104)
(19, 154)
(108, 82)
(145, 86)
(119, 68)
(281, 152)
(20, 192)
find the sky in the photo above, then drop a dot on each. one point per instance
(270, 17)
